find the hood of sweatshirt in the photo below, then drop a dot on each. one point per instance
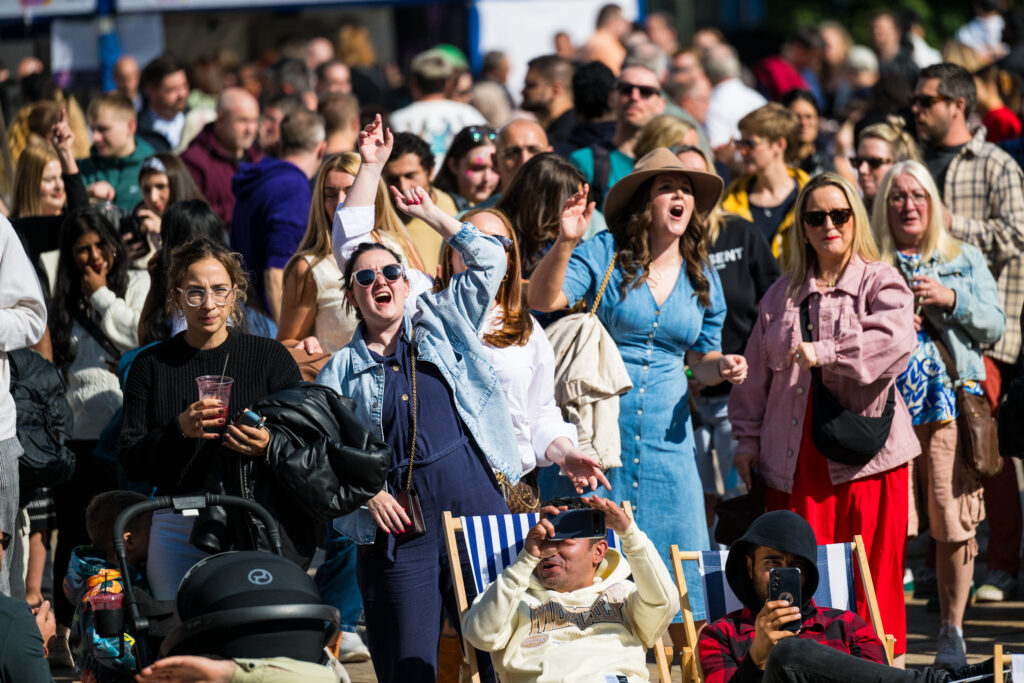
(90, 573)
(613, 569)
(252, 178)
(782, 530)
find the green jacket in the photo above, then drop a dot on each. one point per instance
(122, 173)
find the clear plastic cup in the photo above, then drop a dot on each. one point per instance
(108, 616)
(218, 387)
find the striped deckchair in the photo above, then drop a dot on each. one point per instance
(492, 543)
(836, 589)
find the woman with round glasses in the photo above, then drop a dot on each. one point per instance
(422, 379)
(957, 307)
(765, 194)
(841, 312)
(467, 172)
(182, 444)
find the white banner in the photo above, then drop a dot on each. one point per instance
(10, 9)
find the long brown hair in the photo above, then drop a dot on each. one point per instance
(630, 230)
(516, 323)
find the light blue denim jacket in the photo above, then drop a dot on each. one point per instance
(976, 318)
(447, 334)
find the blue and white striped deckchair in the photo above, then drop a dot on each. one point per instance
(836, 589)
(492, 543)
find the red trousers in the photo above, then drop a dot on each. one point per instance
(875, 507)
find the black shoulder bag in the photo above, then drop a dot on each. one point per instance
(840, 434)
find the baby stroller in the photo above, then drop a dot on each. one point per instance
(245, 604)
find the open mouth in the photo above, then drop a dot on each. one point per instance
(96, 267)
(549, 565)
(677, 212)
(382, 297)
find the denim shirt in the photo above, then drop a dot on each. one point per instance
(447, 334)
(976, 317)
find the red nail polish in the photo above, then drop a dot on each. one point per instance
(387, 531)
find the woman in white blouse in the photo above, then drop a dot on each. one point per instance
(519, 351)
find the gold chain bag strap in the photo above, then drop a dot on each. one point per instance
(524, 496)
(407, 498)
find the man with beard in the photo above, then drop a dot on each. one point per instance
(547, 92)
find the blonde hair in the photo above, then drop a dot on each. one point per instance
(773, 122)
(664, 130)
(316, 243)
(799, 256)
(936, 239)
(354, 46)
(27, 200)
(894, 132)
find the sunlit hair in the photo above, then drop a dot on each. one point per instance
(316, 243)
(516, 324)
(773, 122)
(199, 250)
(664, 130)
(630, 230)
(894, 131)
(28, 200)
(799, 256)
(533, 203)
(936, 239)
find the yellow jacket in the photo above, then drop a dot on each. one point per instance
(736, 202)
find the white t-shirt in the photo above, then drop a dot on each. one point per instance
(730, 101)
(437, 122)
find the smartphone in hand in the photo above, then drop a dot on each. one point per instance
(578, 524)
(784, 584)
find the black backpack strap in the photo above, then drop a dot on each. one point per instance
(83, 319)
(602, 172)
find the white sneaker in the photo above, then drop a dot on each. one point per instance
(352, 649)
(998, 587)
(950, 651)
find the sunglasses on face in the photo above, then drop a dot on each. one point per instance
(926, 101)
(366, 277)
(646, 91)
(874, 163)
(196, 297)
(504, 241)
(478, 133)
(749, 143)
(839, 217)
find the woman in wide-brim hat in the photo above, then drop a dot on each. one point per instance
(664, 308)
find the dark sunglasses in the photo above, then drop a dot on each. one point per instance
(926, 101)
(5, 540)
(839, 217)
(504, 241)
(366, 277)
(478, 133)
(749, 143)
(646, 91)
(874, 163)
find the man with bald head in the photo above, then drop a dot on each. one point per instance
(126, 79)
(517, 143)
(214, 155)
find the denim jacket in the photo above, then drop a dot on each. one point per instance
(976, 318)
(447, 334)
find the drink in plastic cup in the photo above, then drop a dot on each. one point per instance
(215, 386)
(108, 618)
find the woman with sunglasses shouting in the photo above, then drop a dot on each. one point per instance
(182, 443)
(831, 337)
(419, 375)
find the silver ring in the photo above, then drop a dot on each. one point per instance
(248, 449)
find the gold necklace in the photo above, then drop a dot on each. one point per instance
(657, 273)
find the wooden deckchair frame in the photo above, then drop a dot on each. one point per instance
(452, 526)
(688, 657)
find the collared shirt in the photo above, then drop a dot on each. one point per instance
(723, 645)
(863, 331)
(170, 128)
(984, 191)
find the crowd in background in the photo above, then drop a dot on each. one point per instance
(835, 220)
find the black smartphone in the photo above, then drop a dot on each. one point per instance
(784, 584)
(250, 419)
(578, 524)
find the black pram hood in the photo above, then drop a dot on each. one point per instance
(782, 530)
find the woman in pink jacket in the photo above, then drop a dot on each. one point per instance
(861, 325)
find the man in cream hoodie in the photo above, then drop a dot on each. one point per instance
(565, 611)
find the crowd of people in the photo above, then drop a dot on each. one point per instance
(827, 236)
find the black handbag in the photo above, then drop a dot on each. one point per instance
(840, 434)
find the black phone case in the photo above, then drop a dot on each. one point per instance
(784, 584)
(579, 524)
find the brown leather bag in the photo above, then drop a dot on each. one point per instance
(977, 429)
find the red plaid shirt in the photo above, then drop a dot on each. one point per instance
(724, 644)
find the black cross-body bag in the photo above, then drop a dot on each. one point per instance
(840, 434)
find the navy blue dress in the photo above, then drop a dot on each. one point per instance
(406, 588)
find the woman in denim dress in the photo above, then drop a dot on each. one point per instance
(664, 308)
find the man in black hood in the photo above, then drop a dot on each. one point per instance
(837, 646)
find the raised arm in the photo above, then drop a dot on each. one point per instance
(545, 290)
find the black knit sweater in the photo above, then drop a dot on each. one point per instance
(162, 384)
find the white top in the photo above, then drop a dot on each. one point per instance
(22, 316)
(93, 391)
(730, 101)
(335, 320)
(527, 376)
(984, 34)
(437, 122)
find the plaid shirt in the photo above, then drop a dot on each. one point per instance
(984, 191)
(724, 644)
